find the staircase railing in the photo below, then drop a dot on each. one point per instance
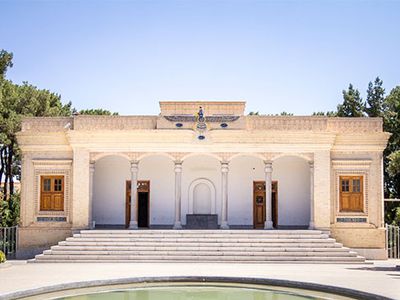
(8, 241)
(393, 241)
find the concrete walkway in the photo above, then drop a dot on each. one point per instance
(381, 278)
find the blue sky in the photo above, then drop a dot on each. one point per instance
(125, 56)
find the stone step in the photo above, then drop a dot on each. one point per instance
(194, 236)
(198, 244)
(205, 248)
(205, 240)
(197, 253)
(208, 232)
(192, 258)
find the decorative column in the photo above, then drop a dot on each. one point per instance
(268, 195)
(312, 225)
(224, 208)
(91, 174)
(178, 181)
(133, 224)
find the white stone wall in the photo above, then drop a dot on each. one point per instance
(196, 167)
(160, 171)
(293, 176)
(243, 170)
(109, 182)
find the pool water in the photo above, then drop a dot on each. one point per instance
(197, 293)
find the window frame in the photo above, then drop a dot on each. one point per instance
(351, 194)
(52, 193)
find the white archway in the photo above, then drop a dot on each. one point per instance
(109, 187)
(202, 189)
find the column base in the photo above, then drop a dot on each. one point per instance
(224, 225)
(268, 225)
(133, 225)
(92, 225)
(177, 225)
(311, 226)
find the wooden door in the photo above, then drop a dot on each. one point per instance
(143, 198)
(259, 204)
(274, 204)
(127, 203)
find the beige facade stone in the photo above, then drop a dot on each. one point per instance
(71, 146)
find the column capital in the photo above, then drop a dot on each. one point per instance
(92, 166)
(311, 164)
(268, 166)
(178, 167)
(224, 167)
(134, 166)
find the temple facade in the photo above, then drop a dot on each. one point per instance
(204, 165)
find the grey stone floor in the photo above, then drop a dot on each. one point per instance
(380, 277)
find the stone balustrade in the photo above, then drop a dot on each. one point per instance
(275, 123)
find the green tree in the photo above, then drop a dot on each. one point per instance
(97, 111)
(5, 62)
(391, 155)
(16, 102)
(375, 101)
(392, 125)
(353, 105)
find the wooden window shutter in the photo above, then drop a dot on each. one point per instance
(52, 193)
(351, 195)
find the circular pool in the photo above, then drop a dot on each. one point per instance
(190, 291)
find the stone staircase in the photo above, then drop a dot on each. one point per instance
(256, 246)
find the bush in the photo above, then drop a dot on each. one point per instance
(2, 257)
(9, 211)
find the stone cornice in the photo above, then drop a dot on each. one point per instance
(252, 123)
(314, 123)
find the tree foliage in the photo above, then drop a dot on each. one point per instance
(97, 111)
(375, 101)
(5, 62)
(353, 105)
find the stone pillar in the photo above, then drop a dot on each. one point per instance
(268, 195)
(312, 225)
(80, 189)
(322, 189)
(178, 188)
(91, 172)
(224, 188)
(133, 224)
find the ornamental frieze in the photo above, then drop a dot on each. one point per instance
(208, 119)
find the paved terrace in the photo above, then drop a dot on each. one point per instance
(381, 278)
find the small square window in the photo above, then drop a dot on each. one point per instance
(345, 185)
(57, 185)
(356, 186)
(47, 184)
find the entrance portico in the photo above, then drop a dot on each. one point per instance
(220, 184)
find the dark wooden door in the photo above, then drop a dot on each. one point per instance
(143, 210)
(259, 204)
